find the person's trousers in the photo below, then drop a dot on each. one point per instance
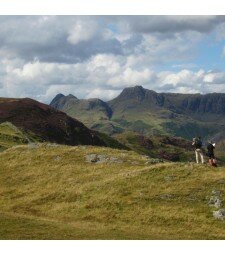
(199, 156)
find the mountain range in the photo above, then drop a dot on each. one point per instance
(26, 120)
(147, 112)
(155, 124)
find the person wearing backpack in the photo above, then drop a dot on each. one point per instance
(197, 143)
(210, 154)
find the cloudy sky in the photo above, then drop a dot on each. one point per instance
(98, 56)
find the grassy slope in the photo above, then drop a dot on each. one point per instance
(52, 193)
(86, 116)
(112, 142)
(150, 123)
(10, 136)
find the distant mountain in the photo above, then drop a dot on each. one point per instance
(60, 101)
(73, 105)
(93, 112)
(150, 113)
(49, 124)
(139, 98)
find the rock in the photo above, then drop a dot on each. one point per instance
(33, 145)
(57, 158)
(92, 158)
(167, 196)
(170, 178)
(115, 160)
(154, 161)
(215, 201)
(220, 214)
(98, 158)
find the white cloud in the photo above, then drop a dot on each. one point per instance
(107, 94)
(215, 77)
(82, 31)
(101, 76)
(99, 56)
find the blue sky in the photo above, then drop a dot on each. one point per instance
(98, 56)
(210, 54)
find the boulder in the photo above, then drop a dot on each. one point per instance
(170, 178)
(33, 145)
(215, 201)
(99, 158)
(220, 214)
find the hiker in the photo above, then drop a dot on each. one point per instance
(197, 143)
(210, 153)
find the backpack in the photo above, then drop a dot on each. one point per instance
(198, 144)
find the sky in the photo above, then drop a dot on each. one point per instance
(98, 56)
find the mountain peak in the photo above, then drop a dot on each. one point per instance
(60, 100)
(136, 92)
(138, 87)
(57, 98)
(71, 96)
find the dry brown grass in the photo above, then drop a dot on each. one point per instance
(52, 193)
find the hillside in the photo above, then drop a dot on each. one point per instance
(163, 147)
(93, 112)
(47, 124)
(11, 135)
(150, 113)
(90, 107)
(85, 192)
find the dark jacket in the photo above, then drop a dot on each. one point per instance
(198, 144)
(210, 149)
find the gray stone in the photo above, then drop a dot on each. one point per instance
(92, 158)
(98, 158)
(167, 196)
(57, 158)
(101, 159)
(215, 201)
(154, 161)
(220, 214)
(170, 178)
(33, 145)
(115, 160)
